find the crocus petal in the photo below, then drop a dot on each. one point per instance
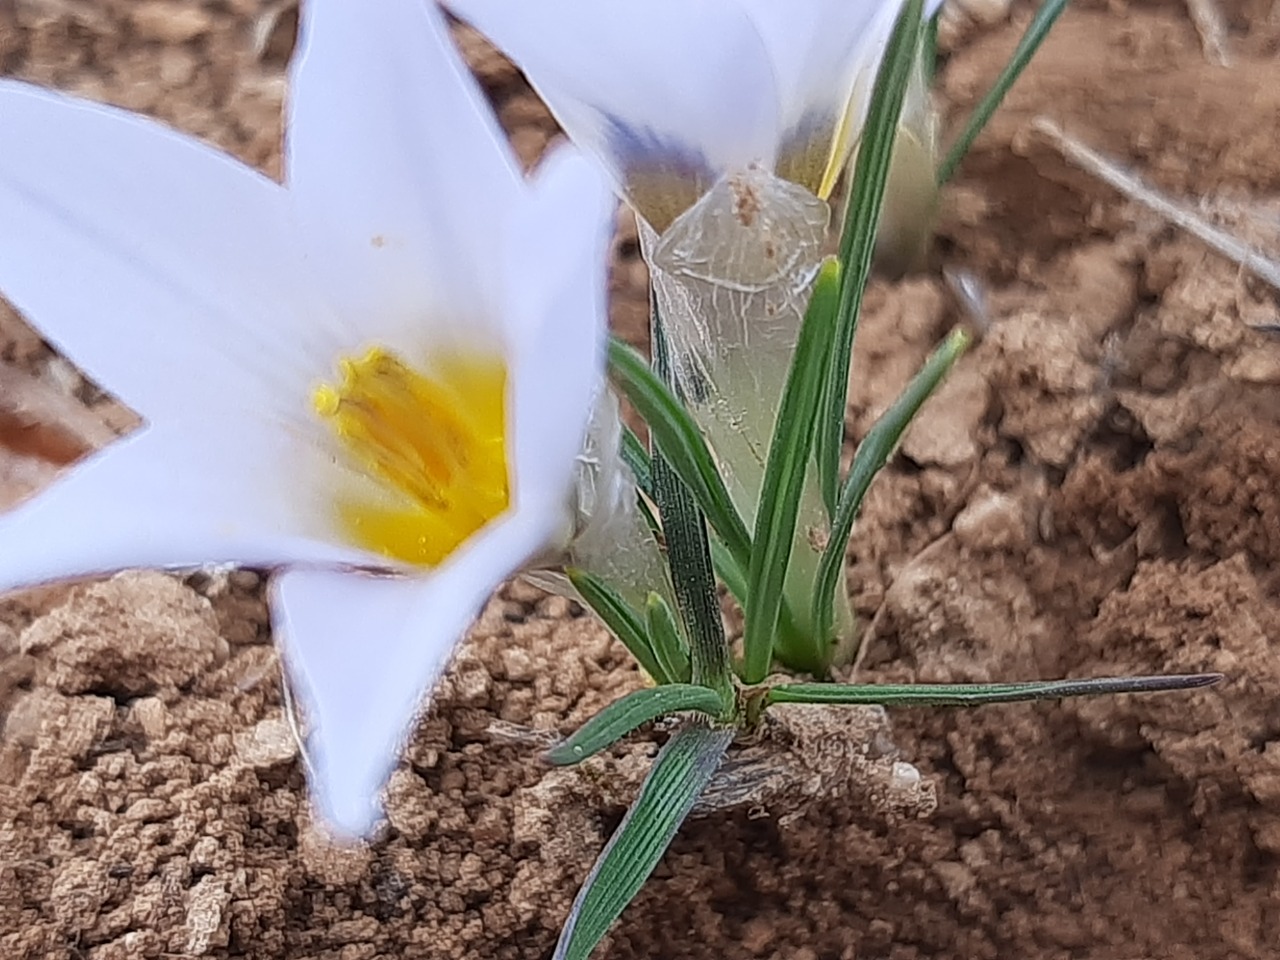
(557, 309)
(156, 499)
(813, 45)
(145, 255)
(825, 53)
(810, 137)
(665, 92)
(363, 654)
(397, 165)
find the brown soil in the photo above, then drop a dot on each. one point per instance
(1097, 491)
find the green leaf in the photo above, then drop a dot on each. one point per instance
(681, 443)
(730, 574)
(871, 456)
(619, 617)
(857, 242)
(681, 772)
(622, 716)
(637, 459)
(635, 456)
(664, 636)
(1036, 31)
(650, 519)
(784, 475)
(929, 45)
(735, 581)
(689, 555)
(979, 694)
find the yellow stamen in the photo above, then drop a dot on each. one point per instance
(435, 444)
(837, 155)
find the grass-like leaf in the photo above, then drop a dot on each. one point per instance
(979, 694)
(618, 616)
(731, 575)
(858, 241)
(679, 775)
(625, 715)
(784, 474)
(681, 443)
(689, 549)
(929, 45)
(664, 635)
(870, 458)
(1036, 31)
(635, 456)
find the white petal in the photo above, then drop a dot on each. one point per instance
(660, 90)
(825, 52)
(557, 304)
(160, 500)
(364, 653)
(814, 46)
(396, 163)
(165, 269)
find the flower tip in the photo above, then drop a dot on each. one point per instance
(347, 809)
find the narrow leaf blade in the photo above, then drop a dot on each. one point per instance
(980, 694)
(730, 574)
(857, 242)
(664, 636)
(619, 617)
(681, 772)
(689, 552)
(870, 458)
(681, 443)
(629, 713)
(1035, 34)
(635, 456)
(784, 474)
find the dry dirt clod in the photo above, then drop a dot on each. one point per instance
(71, 725)
(170, 21)
(992, 521)
(130, 636)
(267, 744)
(205, 909)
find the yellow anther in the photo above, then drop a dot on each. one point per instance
(434, 443)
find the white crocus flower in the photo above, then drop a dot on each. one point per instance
(673, 94)
(375, 380)
(725, 124)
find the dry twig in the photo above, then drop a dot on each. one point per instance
(1213, 31)
(1094, 163)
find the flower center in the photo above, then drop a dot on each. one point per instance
(434, 443)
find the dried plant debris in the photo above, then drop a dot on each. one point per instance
(1262, 263)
